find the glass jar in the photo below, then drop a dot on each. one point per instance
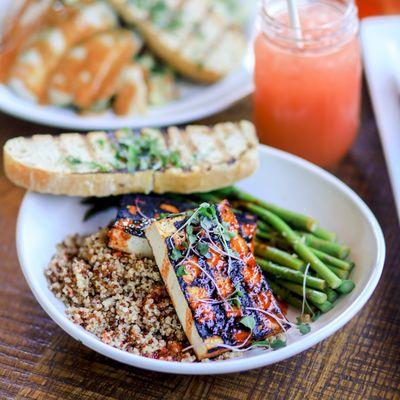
(308, 83)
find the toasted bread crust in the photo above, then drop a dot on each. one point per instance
(220, 175)
(55, 179)
(74, 184)
(108, 184)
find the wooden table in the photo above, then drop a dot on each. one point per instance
(361, 361)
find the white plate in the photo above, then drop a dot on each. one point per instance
(380, 38)
(195, 101)
(289, 181)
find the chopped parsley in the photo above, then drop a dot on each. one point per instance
(101, 142)
(145, 151)
(175, 22)
(74, 161)
(160, 14)
(98, 166)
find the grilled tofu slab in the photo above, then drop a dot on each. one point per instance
(193, 159)
(135, 214)
(137, 211)
(219, 293)
(199, 39)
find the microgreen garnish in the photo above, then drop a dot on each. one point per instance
(316, 316)
(261, 343)
(190, 236)
(163, 215)
(302, 324)
(206, 223)
(304, 328)
(238, 291)
(305, 302)
(175, 254)
(248, 322)
(235, 301)
(192, 216)
(207, 211)
(227, 233)
(181, 271)
(281, 322)
(277, 344)
(203, 248)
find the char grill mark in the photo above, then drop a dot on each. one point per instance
(252, 279)
(137, 212)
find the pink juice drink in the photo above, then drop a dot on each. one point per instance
(307, 91)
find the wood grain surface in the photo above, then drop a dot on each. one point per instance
(361, 361)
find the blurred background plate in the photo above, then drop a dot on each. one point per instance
(380, 37)
(195, 101)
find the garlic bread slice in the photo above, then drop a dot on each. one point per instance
(192, 36)
(187, 160)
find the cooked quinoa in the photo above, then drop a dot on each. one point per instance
(120, 299)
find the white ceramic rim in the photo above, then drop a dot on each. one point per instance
(382, 85)
(209, 103)
(239, 364)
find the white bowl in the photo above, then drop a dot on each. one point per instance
(284, 179)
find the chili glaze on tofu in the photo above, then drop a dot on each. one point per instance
(135, 214)
(137, 211)
(221, 297)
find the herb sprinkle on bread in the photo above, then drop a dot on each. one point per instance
(192, 159)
